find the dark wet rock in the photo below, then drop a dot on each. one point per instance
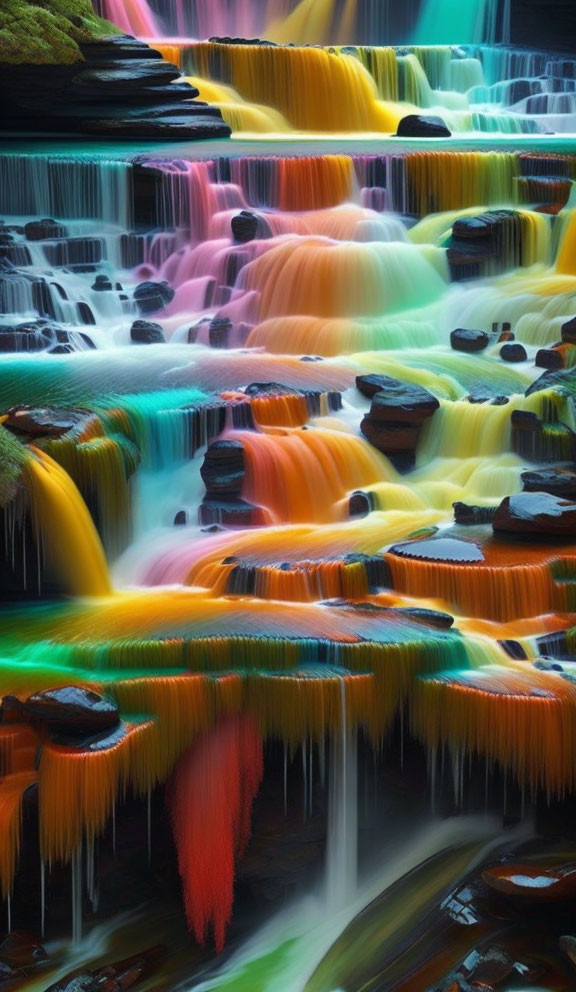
(401, 402)
(118, 89)
(535, 883)
(561, 379)
(490, 967)
(219, 332)
(466, 514)
(44, 230)
(513, 353)
(568, 331)
(422, 126)
(430, 618)
(244, 227)
(223, 469)
(102, 284)
(171, 127)
(442, 549)
(80, 254)
(146, 332)
(153, 296)
(360, 504)
(397, 413)
(83, 740)
(85, 315)
(548, 665)
(549, 358)
(533, 513)
(568, 945)
(117, 977)
(557, 481)
(514, 649)
(32, 422)
(469, 340)
(229, 513)
(482, 394)
(68, 708)
(30, 335)
(20, 949)
(268, 389)
(181, 518)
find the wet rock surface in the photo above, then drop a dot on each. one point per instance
(513, 353)
(469, 340)
(146, 332)
(397, 412)
(123, 87)
(441, 549)
(153, 296)
(557, 481)
(223, 469)
(35, 422)
(422, 126)
(70, 709)
(536, 514)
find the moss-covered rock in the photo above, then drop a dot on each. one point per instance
(48, 31)
(13, 454)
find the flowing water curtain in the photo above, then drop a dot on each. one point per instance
(315, 21)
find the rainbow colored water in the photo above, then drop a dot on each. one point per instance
(294, 595)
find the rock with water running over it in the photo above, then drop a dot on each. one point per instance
(422, 126)
(536, 514)
(219, 331)
(244, 227)
(223, 469)
(469, 340)
(396, 415)
(233, 512)
(513, 353)
(430, 618)
(44, 230)
(102, 284)
(70, 708)
(146, 332)
(557, 481)
(153, 296)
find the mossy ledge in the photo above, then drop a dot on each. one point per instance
(48, 32)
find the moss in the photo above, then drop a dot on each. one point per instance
(48, 31)
(13, 454)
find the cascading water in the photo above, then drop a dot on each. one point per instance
(288, 511)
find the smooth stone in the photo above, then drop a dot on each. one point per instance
(42, 421)
(535, 883)
(443, 549)
(513, 353)
(422, 126)
(536, 513)
(71, 708)
(466, 514)
(244, 227)
(146, 332)
(549, 358)
(469, 340)
(557, 481)
(568, 331)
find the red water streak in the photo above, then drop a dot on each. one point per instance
(210, 799)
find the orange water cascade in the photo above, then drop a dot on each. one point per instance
(317, 277)
(315, 89)
(301, 476)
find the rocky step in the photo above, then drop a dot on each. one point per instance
(193, 129)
